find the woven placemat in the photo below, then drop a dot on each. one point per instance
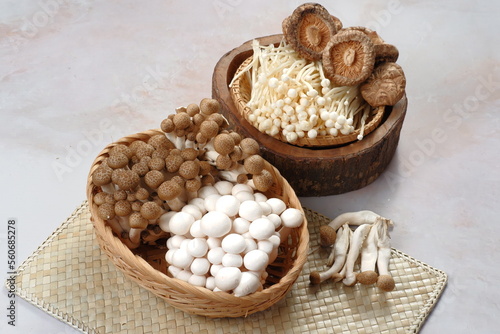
(70, 278)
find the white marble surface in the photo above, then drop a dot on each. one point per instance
(78, 74)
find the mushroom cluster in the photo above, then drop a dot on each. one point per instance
(225, 238)
(369, 241)
(139, 182)
(322, 79)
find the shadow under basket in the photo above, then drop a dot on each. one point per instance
(147, 267)
(312, 171)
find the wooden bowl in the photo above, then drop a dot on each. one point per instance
(312, 171)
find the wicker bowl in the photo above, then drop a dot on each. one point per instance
(241, 91)
(147, 266)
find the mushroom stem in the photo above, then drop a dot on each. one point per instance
(358, 238)
(369, 257)
(355, 218)
(340, 250)
(385, 281)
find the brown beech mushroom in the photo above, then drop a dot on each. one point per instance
(170, 191)
(137, 224)
(125, 179)
(327, 236)
(151, 211)
(349, 57)
(263, 181)
(385, 86)
(209, 106)
(249, 146)
(121, 148)
(101, 177)
(309, 29)
(154, 178)
(117, 160)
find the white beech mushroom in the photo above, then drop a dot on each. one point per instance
(358, 238)
(369, 254)
(385, 281)
(340, 248)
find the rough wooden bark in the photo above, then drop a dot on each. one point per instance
(313, 172)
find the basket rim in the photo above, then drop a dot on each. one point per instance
(319, 141)
(121, 255)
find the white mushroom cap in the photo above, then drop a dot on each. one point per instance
(174, 271)
(244, 196)
(241, 187)
(214, 269)
(266, 208)
(266, 246)
(292, 217)
(249, 283)
(275, 219)
(197, 280)
(232, 260)
(210, 201)
(251, 245)
(215, 255)
(205, 191)
(240, 225)
(228, 204)
(195, 230)
(256, 260)
(250, 210)
(182, 259)
(260, 197)
(213, 242)
(193, 210)
(233, 243)
(277, 205)
(200, 266)
(215, 224)
(184, 275)
(169, 255)
(197, 247)
(180, 223)
(224, 187)
(227, 278)
(175, 241)
(200, 203)
(210, 283)
(261, 228)
(164, 220)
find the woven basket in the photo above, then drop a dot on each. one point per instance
(148, 268)
(241, 91)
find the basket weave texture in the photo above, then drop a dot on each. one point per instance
(71, 279)
(241, 91)
(147, 267)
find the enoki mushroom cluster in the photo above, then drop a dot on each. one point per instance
(196, 187)
(369, 241)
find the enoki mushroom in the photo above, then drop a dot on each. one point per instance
(369, 241)
(293, 97)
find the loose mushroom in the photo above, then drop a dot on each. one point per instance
(358, 238)
(385, 281)
(385, 86)
(309, 29)
(369, 253)
(349, 58)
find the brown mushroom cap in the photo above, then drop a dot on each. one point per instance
(100, 198)
(242, 178)
(349, 58)
(181, 121)
(193, 185)
(160, 141)
(192, 109)
(110, 199)
(156, 163)
(189, 154)
(106, 211)
(173, 162)
(141, 168)
(386, 283)
(219, 119)
(154, 178)
(189, 169)
(209, 128)
(223, 144)
(327, 235)
(315, 277)
(386, 85)
(151, 210)
(367, 277)
(169, 190)
(123, 208)
(309, 29)
(249, 146)
(121, 148)
(263, 181)
(142, 194)
(136, 220)
(209, 106)
(144, 151)
(167, 125)
(205, 167)
(254, 164)
(125, 179)
(117, 160)
(136, 206)
(102, 175)
(119, 195)
(135, 145)
(223, 162)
